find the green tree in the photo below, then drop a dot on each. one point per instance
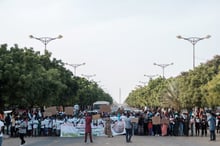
(171, 97)
(28, 79)
(212, 92)
(197, 87)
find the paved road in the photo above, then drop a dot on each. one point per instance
(115, 141)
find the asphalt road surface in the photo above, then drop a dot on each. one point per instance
(115, 141)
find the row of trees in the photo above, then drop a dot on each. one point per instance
(199, 87)
(29, 79)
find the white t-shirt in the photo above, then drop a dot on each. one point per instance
(35, 124)
(58, 124)
(46, 122)
(1, 125)
(30, 123)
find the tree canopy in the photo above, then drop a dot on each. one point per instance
(199, 87)
(29, 79)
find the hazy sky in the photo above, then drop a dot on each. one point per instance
(119, 40)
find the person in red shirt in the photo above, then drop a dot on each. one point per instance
(1, 128)
(150, 127)
(88, 128)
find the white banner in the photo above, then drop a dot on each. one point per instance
(118, 128)
(69, 130)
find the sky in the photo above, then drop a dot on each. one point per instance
(119, 40)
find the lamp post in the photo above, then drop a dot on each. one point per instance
(151, 76)
(87, 86)
(163, 66)
(45, 40)
(193, 41)
(88, 76)
(138, 86)
(75, 66)
(144, 83)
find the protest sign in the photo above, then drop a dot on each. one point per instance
(51, 110)
(134, 120)
(69, 110)
(156, 120)
(96, 117)
(105, 108)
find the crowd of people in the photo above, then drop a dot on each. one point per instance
(171, 123)
(36, 124)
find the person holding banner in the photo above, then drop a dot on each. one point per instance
(108, 130)
(128, 127)
(88, 128)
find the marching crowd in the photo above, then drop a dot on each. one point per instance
(36, 124)
(172, 123)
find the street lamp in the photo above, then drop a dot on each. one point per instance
(193, 41)
(45, 40)
(88, 76)
(138, 86)
(151, 76)
(163, 66)
(144, 83)
(75, 66)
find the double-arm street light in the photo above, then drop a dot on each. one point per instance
(75, 66)
(88, 76)
(138, 86)
(151, 76)
(163, 66)
(90, 97)
(193, 41)
(144, 83)
(45, 40)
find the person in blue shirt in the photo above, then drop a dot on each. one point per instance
(212, 126)
(128, 127)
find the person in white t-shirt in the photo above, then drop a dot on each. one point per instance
(46, 124)
(59, 122)
(1, 131)
(42, 131)
(35, 127)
